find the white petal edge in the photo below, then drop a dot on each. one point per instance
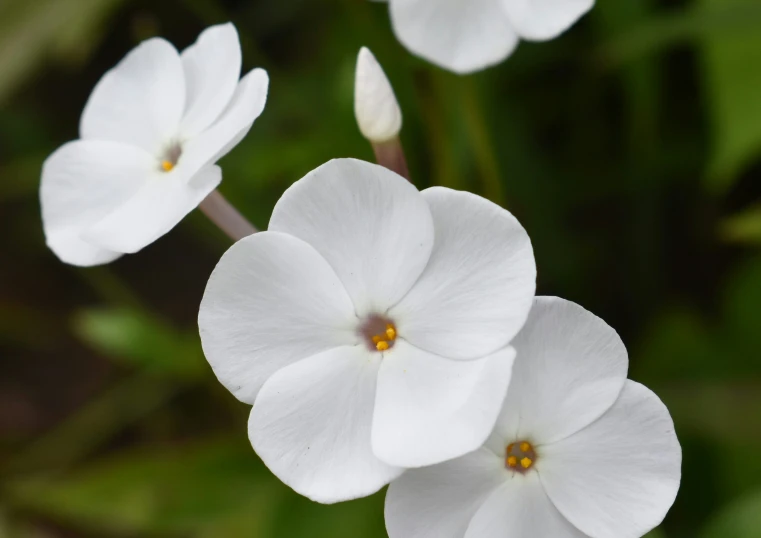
(140, 101)
(478, 286)
(169, 196)
(232, 126)
(311, 426)
(83, 181)
(461, 36)
(439, 501)
(271, 301)
(540, 20)
(571, 368)
(163, 201)
(375, 106)
(212, 70)
(520, 508)
(619, 476)
(370, 224)
(429, 409)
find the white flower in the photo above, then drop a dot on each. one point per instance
(149, 137)
(468, 35)
(375, 105)
(577, 451)
(368, 326)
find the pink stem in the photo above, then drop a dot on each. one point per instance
(391, 155)
(226, 217)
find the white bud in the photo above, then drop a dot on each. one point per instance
(375, 106)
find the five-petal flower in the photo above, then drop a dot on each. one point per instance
(468, 35)
(369, 326)
(578, 450)
(149, 137)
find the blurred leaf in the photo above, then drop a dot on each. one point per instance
(659, 31)
(141, 340)
(741, 519)
(738, 462)
(192, 490)
(655, 533)
(743, 227)
(5, 525)
(642, 78)
(732, 81)
(719, 410)
(33, 29)
(678, 345)
(214, 489)
(10, 528)
(681, 345)
(90, 427)
(742, 298)
(21, 324)
(363, 518)
(21, 177)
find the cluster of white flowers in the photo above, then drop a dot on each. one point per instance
(381, 334)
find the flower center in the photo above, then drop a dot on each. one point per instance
(520, 456)
(378, 332)
(170, 157)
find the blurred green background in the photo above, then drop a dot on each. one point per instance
(630, 149)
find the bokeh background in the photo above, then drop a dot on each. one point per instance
(630, 149)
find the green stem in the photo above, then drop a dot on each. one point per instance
(480, 137)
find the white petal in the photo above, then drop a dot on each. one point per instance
(371, 225)
(544, 19)
(476, 291)
(82, 182)
(375, 105)
(271, 301)
(461, 36)
(429, 409)
(439, 501)
(311, 426)
(72, 249)
(620, 475)
(140, 101)
(212, 69)
(520, 508)
(571, 367)
(154, 210)
(214, 143)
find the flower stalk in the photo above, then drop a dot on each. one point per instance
(226, 217)
(391, 155)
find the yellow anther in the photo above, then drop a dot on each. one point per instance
(167, 166)
(525, 447)
(512, 461)
(377, 338)
(526, 463)
(510, 447)
(382, 345)
(390, 333)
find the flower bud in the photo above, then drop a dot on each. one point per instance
(375, 105)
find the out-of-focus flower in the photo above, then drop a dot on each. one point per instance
(468, 35)
(578, 450)
(375, 105)
(150, 134)
(368, 326)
